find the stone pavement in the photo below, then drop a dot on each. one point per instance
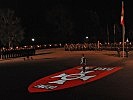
(17, 75)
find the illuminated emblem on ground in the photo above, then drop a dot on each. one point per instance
(70, 78)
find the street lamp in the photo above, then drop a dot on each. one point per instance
(127, 40)
(86, 39)
(32, 39)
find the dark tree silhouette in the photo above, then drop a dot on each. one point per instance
(11, 31)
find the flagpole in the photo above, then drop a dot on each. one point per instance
(114, 33)
(108, 33)
(123, 28)
(123, 33)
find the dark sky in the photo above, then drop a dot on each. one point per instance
(33, 12)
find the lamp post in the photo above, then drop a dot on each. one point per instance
(33, 40)
(127, 42)
(86, 39)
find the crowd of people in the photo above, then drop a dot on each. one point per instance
(78, 47)
(118, 47)
(30, 51)
(17, 52)
(96, 46)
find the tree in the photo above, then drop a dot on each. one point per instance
(11, 32)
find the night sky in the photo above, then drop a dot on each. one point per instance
(33, 14)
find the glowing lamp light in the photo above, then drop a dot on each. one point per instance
(86, 37)
(33, 39)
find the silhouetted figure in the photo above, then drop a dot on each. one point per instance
(83, 62)
(118, 51)
(127, 51)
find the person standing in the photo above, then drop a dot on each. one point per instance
(83, 62)
(127, 51)
(118, 51)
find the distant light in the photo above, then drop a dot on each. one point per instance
(11, 48)
(127, 40)
(86, 37)
(60, 44)
(33, 39)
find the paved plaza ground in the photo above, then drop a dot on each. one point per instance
(16, 75)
